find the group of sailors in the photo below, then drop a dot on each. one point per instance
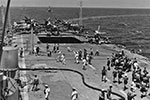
(121, 67)
(37, 51)
(85, 57)
(53, 51)
(35, 81)
(118, 64)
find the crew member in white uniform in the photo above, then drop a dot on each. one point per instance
(74, 95)
(47, 92)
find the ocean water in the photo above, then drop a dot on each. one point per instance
(131, 31)
(40, 13)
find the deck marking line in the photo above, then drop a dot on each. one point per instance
(92, 67)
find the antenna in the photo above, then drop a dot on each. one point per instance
(80, 19)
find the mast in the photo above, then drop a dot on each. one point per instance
(2, 13)
(80, 15)
(4, 27)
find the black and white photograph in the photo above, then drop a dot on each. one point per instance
(74, 49)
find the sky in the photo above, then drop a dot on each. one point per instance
(86, 3)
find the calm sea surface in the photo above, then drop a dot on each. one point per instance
(132, 31)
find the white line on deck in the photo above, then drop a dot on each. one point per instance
(23, 77)
(92, 67)
(123, 92)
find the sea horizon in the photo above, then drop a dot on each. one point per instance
(79, 7)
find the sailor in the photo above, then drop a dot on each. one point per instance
(47, 47)
(80, 54)
(145, 72)
(122, 53)
(47, 92)
(114, 75)
(133, 87)
(34, 50)
(113, 59)
(54, 48)
(63, 60)
(97, 53)
(109, 90)
(85, 54)
(49, 53)
(35, 83)
(143, 90)
(74, 95)
(68, 49)
(21, 52)
(131, 95)
(135, 65)
(57, 48)
(125, 79)
(104, 72)
(133, 75)
(84, 64)
(119, 76)
(91, 51)
(37, 50)
(102, 95)
(76, 57)
(58, 59)
(108, 63)
(89, 59)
